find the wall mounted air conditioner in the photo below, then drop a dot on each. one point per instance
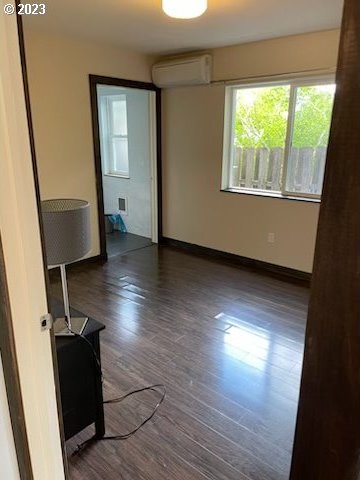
(182, 71)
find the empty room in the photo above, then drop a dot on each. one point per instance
(179, 248)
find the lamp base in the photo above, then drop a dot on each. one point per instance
(77, 326)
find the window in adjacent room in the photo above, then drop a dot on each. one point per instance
(114, 130)
(276, 137)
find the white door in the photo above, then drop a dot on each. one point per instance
(19, 229)
(8, 465)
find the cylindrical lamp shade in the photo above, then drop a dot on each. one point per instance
(67, 230)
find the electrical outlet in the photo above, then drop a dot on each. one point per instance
(271, 237)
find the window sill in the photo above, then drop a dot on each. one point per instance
(270, 195)
(116, 175)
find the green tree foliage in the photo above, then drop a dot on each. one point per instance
(313, 116)
(262, 115)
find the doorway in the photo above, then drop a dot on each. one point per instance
(126, 139)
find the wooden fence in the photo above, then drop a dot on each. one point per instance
(262, 168)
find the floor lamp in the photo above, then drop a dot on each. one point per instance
(67, 234)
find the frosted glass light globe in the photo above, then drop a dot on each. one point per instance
(184, 8)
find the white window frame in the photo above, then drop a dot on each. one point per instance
(109, 159)
(229, 130)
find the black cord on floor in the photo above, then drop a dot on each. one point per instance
(153, 388)
(158, 388)
(125, 436)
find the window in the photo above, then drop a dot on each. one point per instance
(276, 137)
(114, 131)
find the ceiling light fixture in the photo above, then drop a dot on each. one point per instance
(184, 8)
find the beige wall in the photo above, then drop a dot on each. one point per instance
(195, 210)
(58, 69)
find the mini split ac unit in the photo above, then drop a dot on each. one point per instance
(182, 71)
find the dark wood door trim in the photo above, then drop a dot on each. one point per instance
(38, 201)
(119, 82)
(327, 440)
(12, 380)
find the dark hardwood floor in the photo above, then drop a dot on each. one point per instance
(118, 243)
(228, 345)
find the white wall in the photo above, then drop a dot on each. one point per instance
(137, 188)
(58, 69)
(194, 208)
(9, 469)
